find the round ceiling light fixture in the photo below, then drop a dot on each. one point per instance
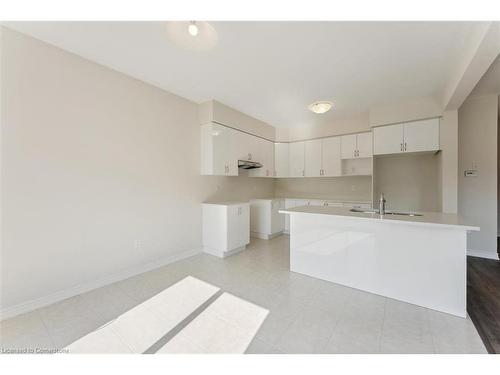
(320, 107)
(192, 28)
(192, 35)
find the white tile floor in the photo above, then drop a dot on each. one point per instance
(306, 315)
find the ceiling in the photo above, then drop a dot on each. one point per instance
(490, 82)
(274, 70)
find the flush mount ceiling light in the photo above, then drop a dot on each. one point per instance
(193, 28)
(320, 107)
(192, 35)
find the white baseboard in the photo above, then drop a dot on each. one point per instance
(37, 303)
(264, 236)
(221, 253)
(482, 254)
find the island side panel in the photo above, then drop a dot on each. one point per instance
(423, 265)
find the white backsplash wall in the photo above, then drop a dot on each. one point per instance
(409, 182)
(349, 188)
(238, 188)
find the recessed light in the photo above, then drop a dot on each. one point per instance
(320, 107)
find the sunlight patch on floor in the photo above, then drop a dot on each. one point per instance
(228, 325)
(145, 324)
(179, 320)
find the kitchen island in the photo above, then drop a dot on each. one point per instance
(415, 259)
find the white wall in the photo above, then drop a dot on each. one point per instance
(354, 124)
(448, 135)
(407, 110)
(355, 188)
(93, 160)
(222, 114)
(477, 147)
(410, 182)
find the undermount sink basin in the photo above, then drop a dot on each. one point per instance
(371, 211)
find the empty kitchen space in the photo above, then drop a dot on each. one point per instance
(330, 196)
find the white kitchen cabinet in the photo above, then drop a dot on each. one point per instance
(281, 159)
(297, 159)
(218, 150)
(348, 146)
(415, 136)
(265, 220)
(388, 139)
(364, 145)
(312, 158)
(246, 146)
(264, 154)
(421, 135)
(331, 163)
(356, 146)
(226, 227)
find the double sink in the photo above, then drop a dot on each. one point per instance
(372, 211)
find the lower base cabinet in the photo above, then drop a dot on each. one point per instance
(265, 220)
(226, 227)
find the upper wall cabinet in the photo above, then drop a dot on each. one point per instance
(322, 157)
(264, 154)
(218, 150)
(281, 162)
(356, 146)
(296, 159)
(415, 136)
(331, 164)
(222, 147)
(312, 158)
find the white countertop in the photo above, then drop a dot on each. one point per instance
(315, 199)
(428, 218)
(225, 203)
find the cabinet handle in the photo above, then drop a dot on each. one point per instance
(405, 146)
(401, 146)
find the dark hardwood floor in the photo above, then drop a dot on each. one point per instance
(483, 300)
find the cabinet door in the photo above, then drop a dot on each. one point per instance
(364, 145)
(277, 219)
(297, 159)
(224, 153)
(268, 161)
(312, 157)
(245, 146)
(348, 146)
(388, 139)
(421, 135)
(331, 162)
(281, 159)
(258, 154)
(238, 226)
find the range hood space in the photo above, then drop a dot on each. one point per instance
(247, 164)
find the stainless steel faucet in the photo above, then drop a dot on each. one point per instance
(381, 204)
